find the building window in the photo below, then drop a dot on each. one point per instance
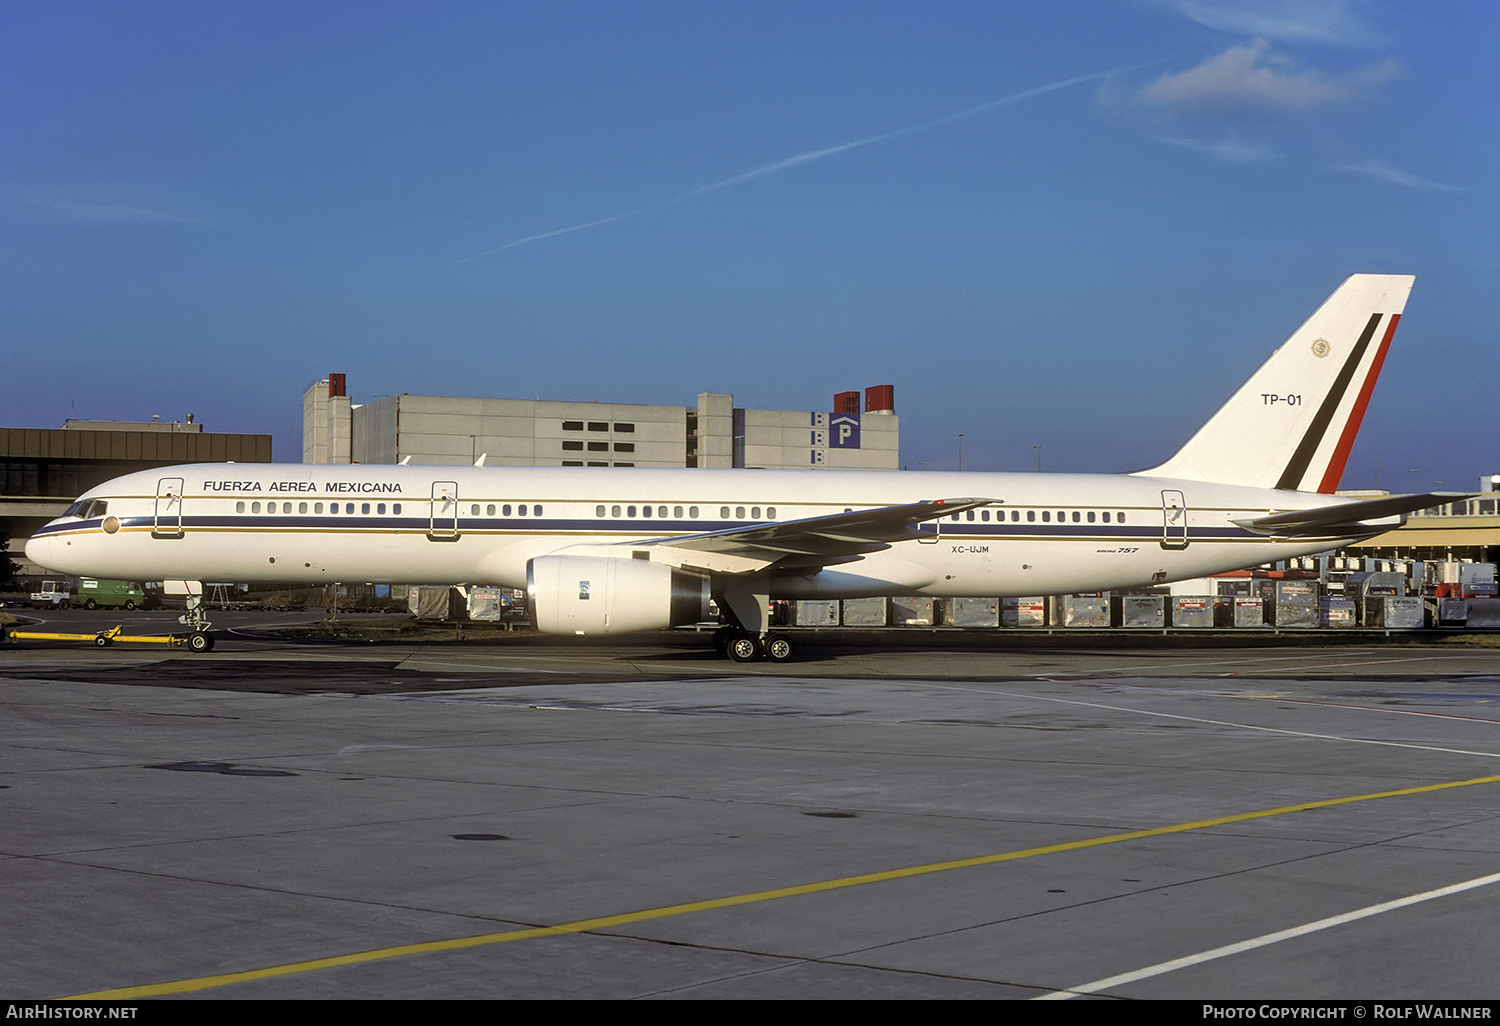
(595, 425)
(572, 463)
(572, 425)
(624, 447)
(628, 428)
(572, 446)
(598, 447)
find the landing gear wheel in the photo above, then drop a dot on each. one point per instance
(744, 648)
(201, 641)
(779, 648)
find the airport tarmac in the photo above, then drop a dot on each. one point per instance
(546, 819)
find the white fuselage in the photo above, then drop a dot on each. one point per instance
(1043, 534)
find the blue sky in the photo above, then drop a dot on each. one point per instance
(1079, 225)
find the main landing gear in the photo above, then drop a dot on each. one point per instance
(744, 647)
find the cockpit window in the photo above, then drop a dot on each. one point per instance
(87, 508)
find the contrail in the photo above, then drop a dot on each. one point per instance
(807, 158)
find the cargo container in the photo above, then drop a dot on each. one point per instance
(1140, 610)
(1192, 611)
(971, 612)
(911, 611)
(816, 612)
(1081, 610)
(865, 612)
(1030, 611)
(1336, 612)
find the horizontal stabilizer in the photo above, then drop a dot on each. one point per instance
(1347, 519)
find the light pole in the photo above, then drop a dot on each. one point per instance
(960, 450)
(1038, 449)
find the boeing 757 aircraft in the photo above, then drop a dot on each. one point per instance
(605, 551)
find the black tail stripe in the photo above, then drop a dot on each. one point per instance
(1297, 467)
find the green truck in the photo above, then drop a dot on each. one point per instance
(93, 593)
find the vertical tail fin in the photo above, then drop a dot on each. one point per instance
(1293, 423)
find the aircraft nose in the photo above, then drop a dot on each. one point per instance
(39, 549)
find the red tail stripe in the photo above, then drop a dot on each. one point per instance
(1340, 457)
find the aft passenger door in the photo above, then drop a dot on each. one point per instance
(443, 519)
(1174, 516)
(167, 522)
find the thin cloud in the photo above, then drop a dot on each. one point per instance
(807, 158)
(66, 210)
(1249, 81)
(1330, 22)
(1381, 171)
(1229, 150)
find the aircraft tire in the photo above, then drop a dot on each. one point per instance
(779, 649)
(744, 648)
(201, 641)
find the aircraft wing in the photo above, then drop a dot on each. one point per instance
(806, 544)
(1347, 519)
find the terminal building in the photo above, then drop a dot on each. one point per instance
(442, 430)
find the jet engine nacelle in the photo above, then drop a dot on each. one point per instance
(603, 595)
